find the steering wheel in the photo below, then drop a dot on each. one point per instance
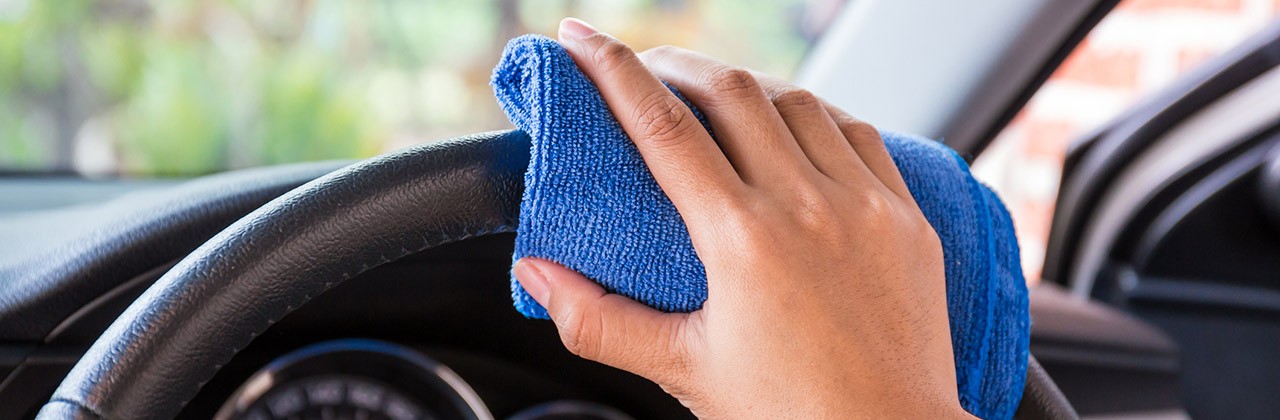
(176, 335)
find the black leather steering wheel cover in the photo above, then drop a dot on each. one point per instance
(173, 338)
(1041, 398)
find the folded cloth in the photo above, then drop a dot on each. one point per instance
(591, 204)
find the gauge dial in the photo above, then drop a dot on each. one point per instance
(354, 379)
(570, 410)
(337, 397)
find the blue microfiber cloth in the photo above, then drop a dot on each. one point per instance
(591, 204)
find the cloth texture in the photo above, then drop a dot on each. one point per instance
(591, 204)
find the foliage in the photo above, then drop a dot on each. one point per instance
(177, 88)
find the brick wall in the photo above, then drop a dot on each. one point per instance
(1139, 48)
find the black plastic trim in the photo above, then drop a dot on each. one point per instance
(1015, 105)
(1199, 294)
(1091, 169)
(1202, 185)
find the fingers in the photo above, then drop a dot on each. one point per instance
(747, 125)
(681, 155)
(818, 135)
(768, 133)
(605, 327)
(866, 141)
(796, 104)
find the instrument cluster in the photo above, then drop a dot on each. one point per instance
(368, 379)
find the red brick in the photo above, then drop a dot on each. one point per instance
(1021, 116)
(1048, 139)
(1034, 218)
(1031, 221)
(1210, 5)
(1112, 68)
(1189, 58)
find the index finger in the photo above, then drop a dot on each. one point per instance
(682, 156)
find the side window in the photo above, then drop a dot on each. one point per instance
(1139, 48)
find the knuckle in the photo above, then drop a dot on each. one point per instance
(758, 240)
(925, 238)
(741, 221)
(737, 214)
(796, 98)
(662, 51)
(846, 121)
(814, 212)
(609, 54)
(875, 209)
(662, 120)
(732, 82)
(579, 333)
(925, 232)
(858, 131)
(739, 204)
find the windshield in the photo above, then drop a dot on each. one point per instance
(181, 88)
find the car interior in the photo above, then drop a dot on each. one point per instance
(383, 284)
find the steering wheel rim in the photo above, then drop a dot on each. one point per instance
(155, 357)
(176, 335)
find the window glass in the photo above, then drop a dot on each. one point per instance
(177, 88)
(1140, 47)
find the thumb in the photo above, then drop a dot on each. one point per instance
(605, 327)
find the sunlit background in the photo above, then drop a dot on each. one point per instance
(174, 88)
(1138, 49)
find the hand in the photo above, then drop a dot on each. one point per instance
(826, 290)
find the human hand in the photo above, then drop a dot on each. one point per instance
(826, 289)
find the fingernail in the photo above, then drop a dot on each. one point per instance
(532, 280)
(576, 29)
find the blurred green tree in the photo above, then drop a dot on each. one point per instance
(179, 88)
